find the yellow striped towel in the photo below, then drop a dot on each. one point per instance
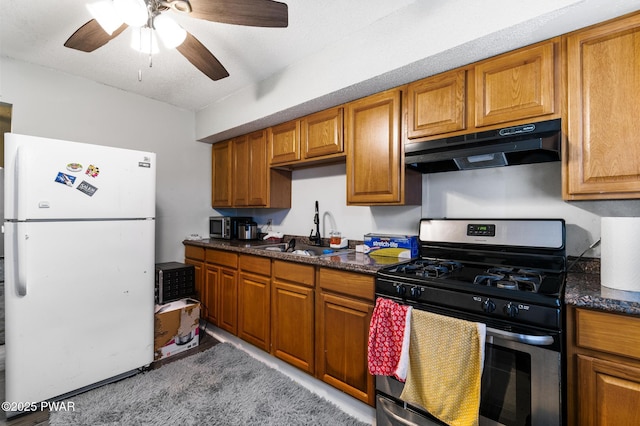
(446, 356)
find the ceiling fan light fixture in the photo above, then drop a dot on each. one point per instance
(105, 13)
(144, 40)
(170, 32)
(133, 12)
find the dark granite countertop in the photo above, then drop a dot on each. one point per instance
(583, 289)
(349, 261)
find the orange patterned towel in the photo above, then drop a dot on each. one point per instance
(389, 339)
(446, 356)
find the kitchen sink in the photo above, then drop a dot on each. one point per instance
(304, 250)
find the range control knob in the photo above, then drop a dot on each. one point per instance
(511, 310)
(400, 290)
(488, 306)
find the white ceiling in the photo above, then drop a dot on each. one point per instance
(34, 31)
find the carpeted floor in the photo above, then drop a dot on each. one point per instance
(220, 386)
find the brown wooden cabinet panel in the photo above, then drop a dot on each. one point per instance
(603, 368)
(603, 160)
(342, 326)
(292, 324)
(609, 393)
(321, 134)
(517, 85)
(195, 256)
(375, 163)
(211, 294)
(254, 286)
(228, 300)
(250, 170)
(221, 172)
(437, 105)
(284, 142)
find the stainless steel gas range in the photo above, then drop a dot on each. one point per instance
(508, 275)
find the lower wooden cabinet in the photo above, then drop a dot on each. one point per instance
(343, 312)
(254, 279)
(292, 314)
(195, 256)
(314, 318)
(603, 368)
(221, 289)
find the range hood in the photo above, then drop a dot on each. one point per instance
(524, 144)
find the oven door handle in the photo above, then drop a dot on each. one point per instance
(383, 404)
(521, 338)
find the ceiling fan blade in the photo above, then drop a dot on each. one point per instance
(201, 58)
(91, 36)
(255, 13)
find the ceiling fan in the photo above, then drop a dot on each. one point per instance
(112, 17)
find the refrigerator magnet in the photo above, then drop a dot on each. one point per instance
(65, 179)
(74, 167)
(92, 171)
(87, 188)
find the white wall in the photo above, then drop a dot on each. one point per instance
(52, 104)
(527, 191)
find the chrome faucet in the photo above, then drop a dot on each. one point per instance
(316, 239)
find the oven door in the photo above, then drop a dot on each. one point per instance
(521, 385)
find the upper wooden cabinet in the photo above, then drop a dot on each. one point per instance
(518, 85)
(603, 129)
(250, 170)
(437, 105)
(241, 176)
(322, 134)
(221, 169)
(284, 142)
(375, 156)
(514, 88)
(316, 138)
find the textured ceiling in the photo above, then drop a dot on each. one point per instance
(34, 31)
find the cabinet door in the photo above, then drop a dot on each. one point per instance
(517, 85)
(253, 309)
(321, 133)
(343, 329)
(228, 307)
(603, 110)
(199, 277)
(292, 314)
(284, 142)
(211, 294)
(221, 167)
(609, 393)
(374, 172)
(437, 104)
(258, 169)
(241, 168)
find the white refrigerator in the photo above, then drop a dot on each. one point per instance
(79, 265)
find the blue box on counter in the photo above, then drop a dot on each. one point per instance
(400, 246)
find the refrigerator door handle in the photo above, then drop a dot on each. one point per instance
(20, 247)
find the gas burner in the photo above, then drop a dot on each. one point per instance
(511, 279)
(430, 268)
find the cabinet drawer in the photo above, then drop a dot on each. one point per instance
(255, 264)
(349, 283)
(611, 333)
(300, 274)
(224, 258)
(191, 252)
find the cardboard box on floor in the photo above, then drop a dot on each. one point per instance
(176, 328)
